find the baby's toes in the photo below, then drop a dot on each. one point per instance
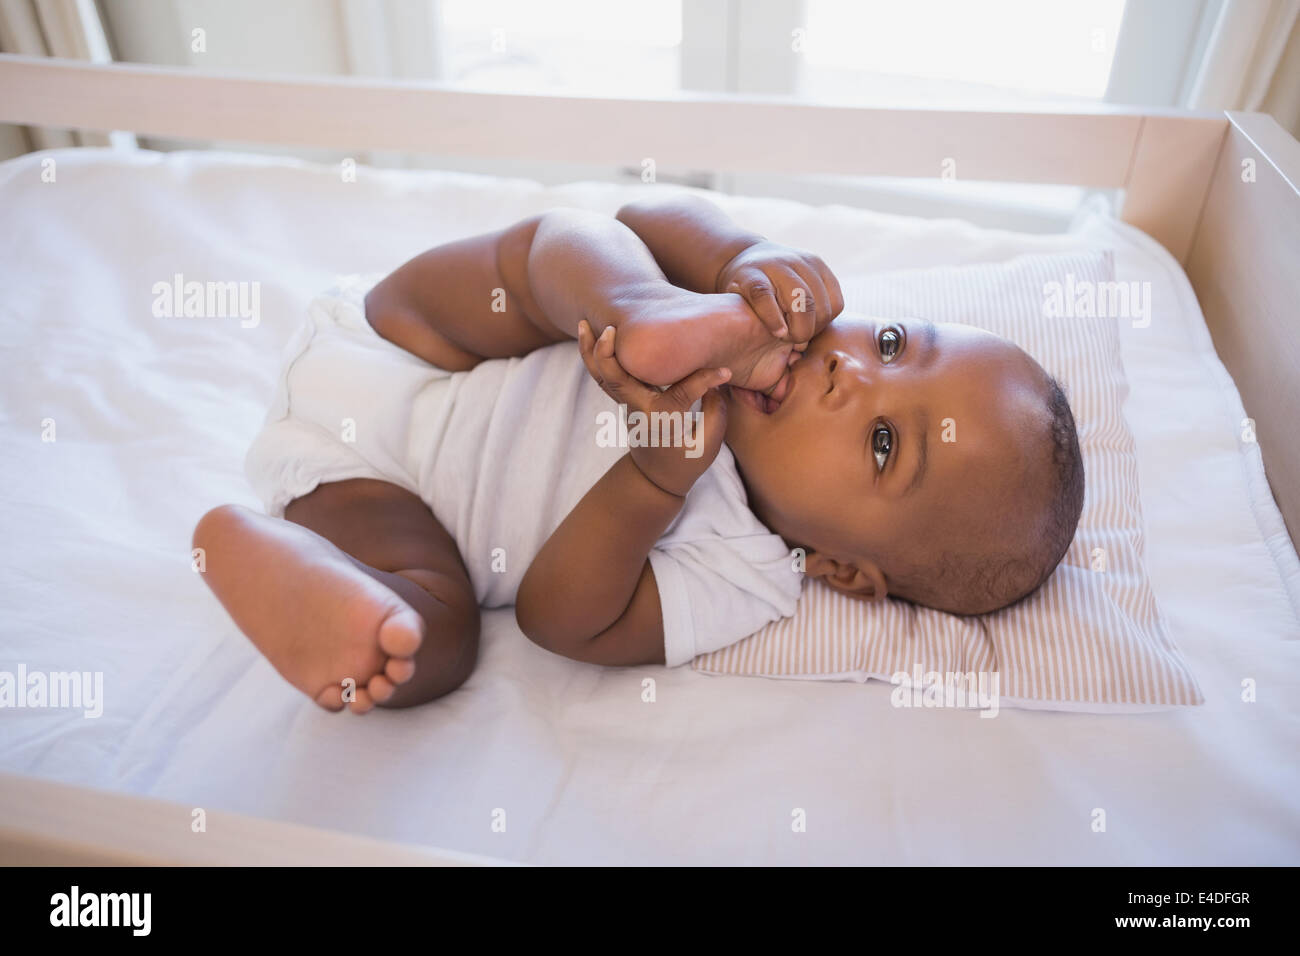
(399, 669)
(362, 704)
(331, 698)
(401, 632)
(380, 688)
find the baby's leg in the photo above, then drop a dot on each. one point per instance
(360, 582)
(508, 292)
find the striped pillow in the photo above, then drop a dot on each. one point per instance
(1092, 638)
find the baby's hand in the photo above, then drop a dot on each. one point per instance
(674, 469)
(793, 293)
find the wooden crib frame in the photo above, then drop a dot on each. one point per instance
(1221, 192)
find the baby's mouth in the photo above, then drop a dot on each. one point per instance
(755, 399)
(769, 401)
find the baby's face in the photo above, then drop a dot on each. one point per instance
(890, 436)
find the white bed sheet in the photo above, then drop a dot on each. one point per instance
(153, 416)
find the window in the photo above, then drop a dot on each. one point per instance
(995, 53)
(580, 46)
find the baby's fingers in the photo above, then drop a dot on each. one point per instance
(598, 356)
(835, 292)
(692, 388)
(714, 423)
(587, 348)
(759, 292)
(810, 306)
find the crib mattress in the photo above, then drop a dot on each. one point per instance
(150, 414)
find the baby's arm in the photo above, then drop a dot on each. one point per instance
(700, 248)
(506, 293)
(590, 593)
(690, 238)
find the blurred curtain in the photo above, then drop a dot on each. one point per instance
(62, 28)
(374, 38)
(1252, 61)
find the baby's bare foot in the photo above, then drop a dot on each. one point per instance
(667, 333)
(321, 621)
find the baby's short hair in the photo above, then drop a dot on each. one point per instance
(978, 582)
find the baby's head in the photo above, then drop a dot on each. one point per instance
(936, 463)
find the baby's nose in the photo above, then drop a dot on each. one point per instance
(842, 362)
(850, 377)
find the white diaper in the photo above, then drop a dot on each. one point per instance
(346, 405)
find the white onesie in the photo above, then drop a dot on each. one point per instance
(501, 454)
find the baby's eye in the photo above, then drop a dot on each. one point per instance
(890, 343)
(881, 444)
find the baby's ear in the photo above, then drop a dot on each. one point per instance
(859, 578)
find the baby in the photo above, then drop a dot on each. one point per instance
(418, 480)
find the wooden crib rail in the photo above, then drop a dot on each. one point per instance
(1245, 267)
(45, 823)
(1163, 159)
